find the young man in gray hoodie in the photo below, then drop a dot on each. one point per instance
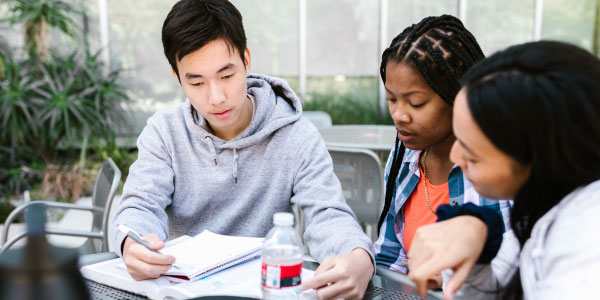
(235, 152)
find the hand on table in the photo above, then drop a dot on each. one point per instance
(344, 276)
(455, 243)
(435, 282)
(141, 262)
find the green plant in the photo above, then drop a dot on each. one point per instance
(108, 147)
(13, 179)
(348, 109)
(16, 106)
(47, 111)
(78, 101)
(36, 16)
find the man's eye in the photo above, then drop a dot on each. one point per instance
(391, 100)
(228, 76)
(196, 84)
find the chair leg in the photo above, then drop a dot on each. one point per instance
(12, 241)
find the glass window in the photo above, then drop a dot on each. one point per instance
(497, 24)
(402, 14)
(135, 44)
(570, 20)
(342, 37)
(342, 52)
(272, 35)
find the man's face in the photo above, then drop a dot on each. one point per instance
(214, 79)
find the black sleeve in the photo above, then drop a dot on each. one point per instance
(490, 217)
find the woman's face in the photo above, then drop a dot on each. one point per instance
(421, 117)
(494, 174)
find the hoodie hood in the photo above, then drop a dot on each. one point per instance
(275, 105)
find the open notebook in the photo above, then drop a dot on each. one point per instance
(195, 259)
(208, 253)
(242, 280)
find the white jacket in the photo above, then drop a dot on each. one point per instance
(561, 259)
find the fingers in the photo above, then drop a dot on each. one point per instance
(422, 273)
(146, 271)
(327, 264)
(142, 253)
(435, 282)
(334, 284)
(317, 280)
(141, 262)
(154, 241)
(320, 280)
(339, 290)
(456, 281)
(344, 276)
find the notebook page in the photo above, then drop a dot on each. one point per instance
(209, 249)
(242, 280)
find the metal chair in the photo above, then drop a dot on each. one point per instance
(319, 118)
(361, 176)
(104, 190)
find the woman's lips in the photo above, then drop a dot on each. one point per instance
(404, 135)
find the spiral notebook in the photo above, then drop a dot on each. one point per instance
(208, 253)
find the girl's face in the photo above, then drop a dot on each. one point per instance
(493, 173)
(421, 117)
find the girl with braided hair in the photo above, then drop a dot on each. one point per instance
(527, 127)
(421, 70)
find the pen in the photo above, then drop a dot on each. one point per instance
(135, 236)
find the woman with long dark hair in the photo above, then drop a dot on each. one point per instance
(527, 124)
(421, 70)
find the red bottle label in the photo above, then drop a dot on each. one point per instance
(278, 277)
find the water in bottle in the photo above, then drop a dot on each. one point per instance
(282, 260)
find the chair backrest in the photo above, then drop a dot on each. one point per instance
(361, 176)
(319, 118)
(105, 187)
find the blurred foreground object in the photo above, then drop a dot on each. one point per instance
(40, 270)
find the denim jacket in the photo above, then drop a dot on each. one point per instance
(389, 247)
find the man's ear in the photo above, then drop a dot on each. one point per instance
(247, 61)
(176, 75)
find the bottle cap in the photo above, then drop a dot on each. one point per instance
(283, 219)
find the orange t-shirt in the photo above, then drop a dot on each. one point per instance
(416, 210)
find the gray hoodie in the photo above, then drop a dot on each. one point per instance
(186, 179)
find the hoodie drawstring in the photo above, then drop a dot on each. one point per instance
(235, 164)
(213, 152)
(211, 147)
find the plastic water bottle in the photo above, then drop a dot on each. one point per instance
(282, 259)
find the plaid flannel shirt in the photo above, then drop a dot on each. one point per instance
(389, 247)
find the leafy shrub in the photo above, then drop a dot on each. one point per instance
(348, 109)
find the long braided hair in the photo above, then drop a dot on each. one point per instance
(442, 50)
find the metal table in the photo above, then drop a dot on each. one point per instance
(378, 138)
(381, 287)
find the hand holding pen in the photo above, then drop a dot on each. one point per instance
(142, 255)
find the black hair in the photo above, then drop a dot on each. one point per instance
(539, 103)
(442, 50)
(191, 24)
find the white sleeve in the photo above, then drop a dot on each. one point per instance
(567, 264)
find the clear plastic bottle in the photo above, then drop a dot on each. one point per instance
(282, 260)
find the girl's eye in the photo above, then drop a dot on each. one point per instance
(391, 100)
(469, 160)
(417, 105)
